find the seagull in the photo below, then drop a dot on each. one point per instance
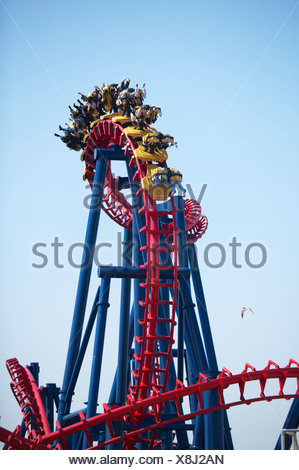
(244, 310)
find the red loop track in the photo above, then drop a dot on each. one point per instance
(106, 133)
(153, 405)
(28, 396)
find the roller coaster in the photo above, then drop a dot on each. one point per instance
(167, 392)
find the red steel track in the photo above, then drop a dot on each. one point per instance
(29, 399)
(154, 404)
(148, 359)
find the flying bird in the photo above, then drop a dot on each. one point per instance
(244, 310)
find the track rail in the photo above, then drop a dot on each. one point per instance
(15, 441)
(28, 396)
(152, 405)
(150, 373)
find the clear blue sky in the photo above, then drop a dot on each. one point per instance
(226, 76)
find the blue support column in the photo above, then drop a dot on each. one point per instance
(34, 369)
(181, 334)
(181, 234)
(50, 396)
(214, 422)
(166, 439)
(84, 277)
(121, 385)
(193, 339)
(163, 330)
(75, 440)
(112, 396)
(123, 342)
(208, 339)
(198, 421)
(198, 433)
(83, 347)
(202, 309)
(103, 305)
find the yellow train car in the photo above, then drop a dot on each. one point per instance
(160, 182)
